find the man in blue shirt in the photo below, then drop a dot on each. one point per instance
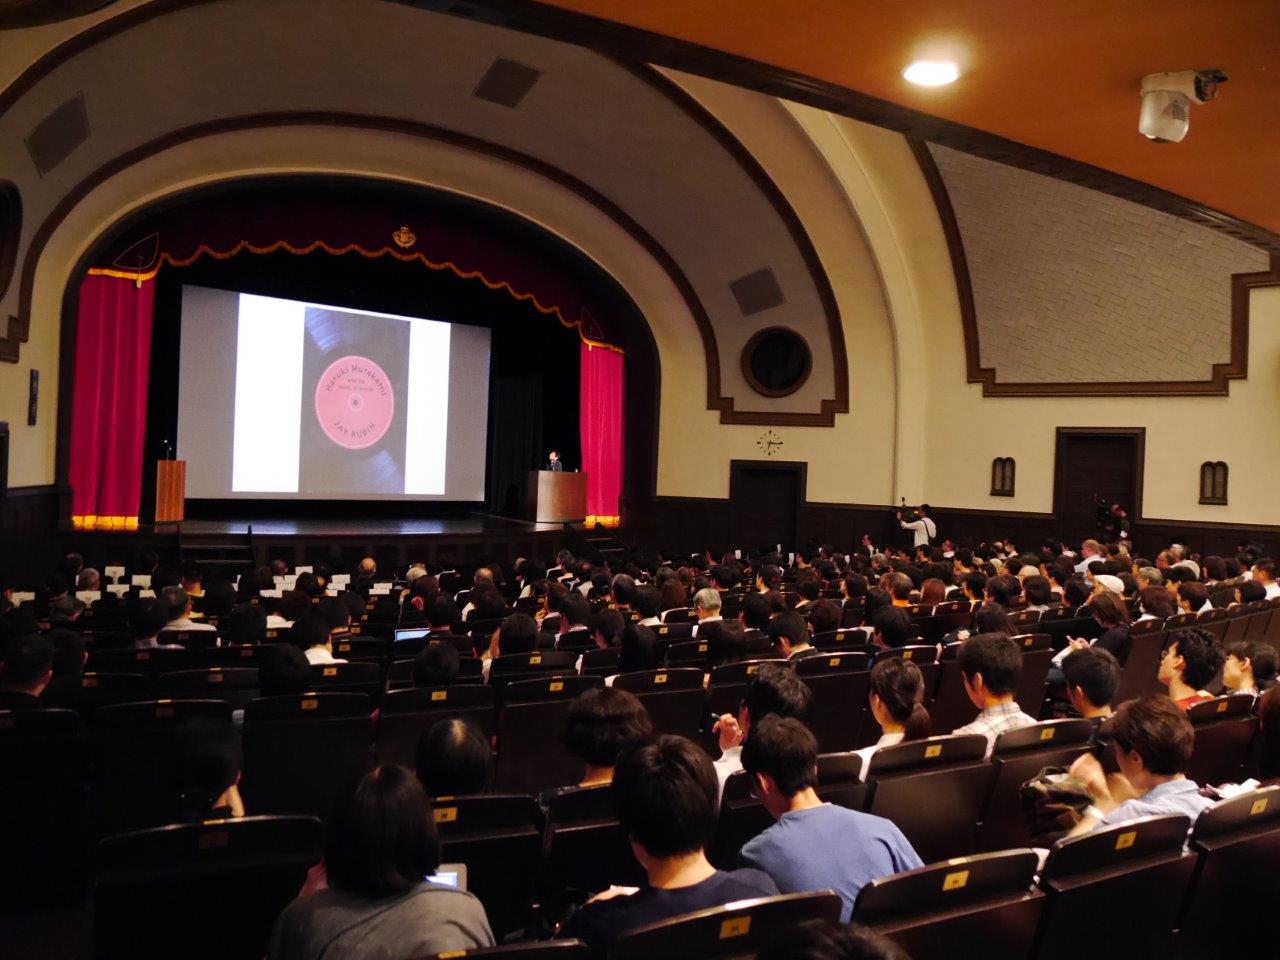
(814, 845)
(1153, 744)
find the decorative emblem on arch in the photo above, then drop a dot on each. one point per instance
(404, 238)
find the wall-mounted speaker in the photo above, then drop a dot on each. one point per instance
(54, 137)
(756, 291)
(506, 82)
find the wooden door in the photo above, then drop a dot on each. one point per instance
(1093, 465)
(765, 499)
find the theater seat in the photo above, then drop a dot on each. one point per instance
(360, 676)
(188, 639)
(1037, 657)
(135, 777)
(1138, 676)
(970, 908)
(720, 933)
(674, 698)
(600, 663)
(408, 714)
(89, 691)
(673, 631)
(1236, 883)
(846, 638)
(1225, 728)
(838, 711)
(206, 891)
(951, 707)
(585, 848)
(933, 789)
(553, 950)
(1117, 889)
(236, 685)
(43, 810)
(531, 757)
(687, 653)
(303, 750)
(240, 655)
(361, 648)
(526, 666)
(1017, 757)
(149, 662)
(499, 838)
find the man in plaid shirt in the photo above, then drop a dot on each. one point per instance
(991, 664)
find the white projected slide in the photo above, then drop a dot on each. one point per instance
(288, 399)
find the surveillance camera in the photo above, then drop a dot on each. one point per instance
(1166, 101)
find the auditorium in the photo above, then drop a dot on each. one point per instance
(597, 480)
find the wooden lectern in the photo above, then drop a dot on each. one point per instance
(557, 496)
(171, 491)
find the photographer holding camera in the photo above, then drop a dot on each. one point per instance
(922, 528)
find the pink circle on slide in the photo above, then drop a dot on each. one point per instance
(354, 402)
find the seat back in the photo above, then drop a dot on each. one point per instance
(361, 648)
(600, 663)
(1238, 841)
(136, 781)
(687, 653)
(951, 707)
(549, 950)
(239, 655)
(968, 907)
(585, 849)
(360, 676)
(735, 930)
(846, 638)
(671, 632)
(407, 715)
(933, 789)
(525, 666)
(43, 808)
(838, 710)
(531, 756)
(1037, 657)
(236, 685)
(148, 662)
(1139, 676)
(155, 888)
(1017, 757)
(1094, 880)
(1225, 728)
(675, 699)
(303, 750)
(89, 691)
(499, 838)
(188, 639)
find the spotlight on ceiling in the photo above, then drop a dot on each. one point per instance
(931, 73)
(1165, 116)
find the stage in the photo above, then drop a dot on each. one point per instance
(467, 539)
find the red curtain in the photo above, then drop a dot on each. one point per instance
(109, 401)
(600, 422)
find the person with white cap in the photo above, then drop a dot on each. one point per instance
(1107, 582)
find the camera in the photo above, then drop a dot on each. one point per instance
(1165, 116)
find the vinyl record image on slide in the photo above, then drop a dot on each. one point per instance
(355, 372)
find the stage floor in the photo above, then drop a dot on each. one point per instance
(471, 525)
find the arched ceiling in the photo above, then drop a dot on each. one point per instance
(171, 72)
(1057, 75)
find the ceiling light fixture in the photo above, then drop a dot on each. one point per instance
(931, 73)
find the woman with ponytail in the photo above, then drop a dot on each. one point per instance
(897, 703)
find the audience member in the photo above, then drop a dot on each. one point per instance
(823, 940)
(648, 604)
(665, 795)
(814, 845)
(245, 624)
(69, 659)
(892, 627)
(772, 689)
(1153, 741)
(896, 696)
(1191, 659)
(370, 899)
(25, 672)
(452, 759)
(1091, 677)
(991, 664)
(601, 723)
(210, 763)
(179, 604)
(311, 634)
(639, 650)
(283, 670)
(791, 635)
(436, 665)
(1249, 667)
